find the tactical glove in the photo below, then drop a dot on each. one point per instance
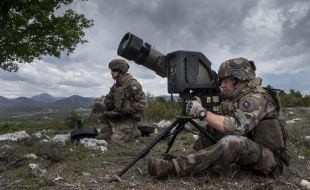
(194, 108)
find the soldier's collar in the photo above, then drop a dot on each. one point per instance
(248, 86)
(121, 80)
(255, 82)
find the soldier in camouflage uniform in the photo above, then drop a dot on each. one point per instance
(251, 128)
(120, 110)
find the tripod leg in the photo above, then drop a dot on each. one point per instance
(143, 153)
(202, 130)
(178, 129)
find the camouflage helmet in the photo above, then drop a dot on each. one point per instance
(239, 68)
(119, 64)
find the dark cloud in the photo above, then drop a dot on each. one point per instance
(275, 34)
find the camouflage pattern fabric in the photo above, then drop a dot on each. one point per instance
(118, 130)
(126, 98)
(105, 126)
(240, 68)
(242, 142)
(230, 149)
(125, 130)
(204, 141)
(119, 64)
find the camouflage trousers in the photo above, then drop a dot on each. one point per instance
(118, 130)
(203, 141)
(230, 149)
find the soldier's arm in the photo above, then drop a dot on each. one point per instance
(251, 111)
(108, 100)
(216, 121)
(138, 99)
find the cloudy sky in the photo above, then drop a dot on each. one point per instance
(273, 33)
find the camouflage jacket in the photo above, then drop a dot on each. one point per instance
(254, 113)
(127, 97)
(248, 107)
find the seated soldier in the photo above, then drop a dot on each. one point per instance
(252, 128)
(120, 110)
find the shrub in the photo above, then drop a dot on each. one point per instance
(159, 108)
(51, 150)
(72, 119)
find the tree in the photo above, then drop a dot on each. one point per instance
(30, 29)
(71, 120)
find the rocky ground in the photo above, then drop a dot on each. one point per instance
(47, 159)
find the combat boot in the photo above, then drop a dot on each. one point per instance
(161, 168)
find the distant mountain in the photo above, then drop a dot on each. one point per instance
(74, 101)
(21, 101)
(45, 100)
(25, 102)
(44, 97)
(5, 101)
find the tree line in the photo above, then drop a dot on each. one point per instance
(161, 108)
(294, 98)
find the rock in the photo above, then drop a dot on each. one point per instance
(61, 138)
(163, 123)
(43, 134)
(307, 140)
(85, 174)
(189, 127)
(112, 178)
(31, 156)
(44, 141)
(35, 170)
(20, 135)
(94, 144)
(195, 137)
(293, 121)
(301, 157)
(290, 113)
(290, 122)
(156, 131)
(58, 177)
(305, 184)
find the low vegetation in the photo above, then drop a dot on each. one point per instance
(160, 108)
(294, 98)
(72, 166)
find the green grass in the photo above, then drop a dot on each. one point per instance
(83, 168)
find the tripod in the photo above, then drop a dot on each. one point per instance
(178, 125)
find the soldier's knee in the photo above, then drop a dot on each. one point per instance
(232, 142)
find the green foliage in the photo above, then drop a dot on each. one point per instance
(159, 108)
(83, 168)
(31, 29)
(30, 125)
(52, 151)
(72, 119)
(294, 98)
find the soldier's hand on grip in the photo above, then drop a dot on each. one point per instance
(194, 108)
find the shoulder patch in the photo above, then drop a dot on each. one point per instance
(247, 105)
(134, 87)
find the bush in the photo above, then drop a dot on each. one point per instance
(71, 120)
(294, 98)
(159, 108)
(51, 150)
